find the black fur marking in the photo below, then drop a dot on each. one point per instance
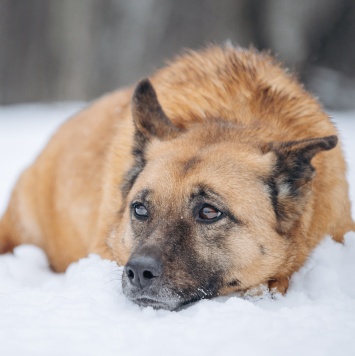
(140, 162)
(198, 279)
(190, 164)
(273, 195)
(144, 87)
(262, 249)
(178, 235)
(284, 174)
(296, 170)
(234, 283)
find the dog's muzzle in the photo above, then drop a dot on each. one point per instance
(143, 283)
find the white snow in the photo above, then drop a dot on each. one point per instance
(83, 312)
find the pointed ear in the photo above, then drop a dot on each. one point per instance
(306, 149)
(294, 157)
(150, 121)
(293, 171)
(148, 116)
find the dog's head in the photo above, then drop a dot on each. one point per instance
(209, 209)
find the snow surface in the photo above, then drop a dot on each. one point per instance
(83, 312)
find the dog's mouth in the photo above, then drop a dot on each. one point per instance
(166, 305)
(159, 298)
(154, 303)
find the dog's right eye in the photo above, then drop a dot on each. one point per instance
(140, 211)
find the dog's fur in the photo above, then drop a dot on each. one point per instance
(225, 127)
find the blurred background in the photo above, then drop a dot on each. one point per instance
(58, 50)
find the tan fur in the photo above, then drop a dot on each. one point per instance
(69, 201)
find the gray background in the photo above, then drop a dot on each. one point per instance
(55, 50)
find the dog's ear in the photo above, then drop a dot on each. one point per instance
(148, 116)
(150, 121)
(290, 182)
(294, 157)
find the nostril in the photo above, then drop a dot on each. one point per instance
(148, 275)
(142, 271)
(130, 273)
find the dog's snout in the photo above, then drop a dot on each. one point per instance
(142, 270)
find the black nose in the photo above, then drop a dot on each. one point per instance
(141, 270)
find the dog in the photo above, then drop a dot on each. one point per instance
(217, 174)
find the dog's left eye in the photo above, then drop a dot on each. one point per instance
(140, 211)
(208, 213)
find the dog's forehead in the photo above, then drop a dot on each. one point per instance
(179, 170)
(181, 158)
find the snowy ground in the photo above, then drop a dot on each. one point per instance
(83, 312)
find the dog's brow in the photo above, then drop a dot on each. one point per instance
(204, 191)
(190, 164)
(143, 194)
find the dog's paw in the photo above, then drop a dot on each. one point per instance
(256, 293)
(279, 285)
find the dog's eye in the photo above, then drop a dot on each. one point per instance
(140, 211)
(209, 214)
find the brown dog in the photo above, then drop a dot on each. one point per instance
(229, 180)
